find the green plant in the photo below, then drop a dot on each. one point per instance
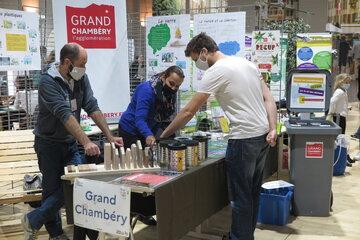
(165, 7)
(292, 28)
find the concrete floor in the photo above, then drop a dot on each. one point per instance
(344, 222)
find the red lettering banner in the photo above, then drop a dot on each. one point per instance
(92, 26)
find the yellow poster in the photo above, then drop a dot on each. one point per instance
(16, 42)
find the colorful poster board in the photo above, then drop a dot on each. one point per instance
(308, 91)
(266, 51)
(228, 31)
(166, 40)
(248, 47)
(278, 81)
(98, 26)
(314, 51)
(19, 41)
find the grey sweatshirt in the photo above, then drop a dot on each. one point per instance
(55, 97)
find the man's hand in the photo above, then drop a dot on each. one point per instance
(117, 140)
(150, 140)
(91, 149)
(271, 138)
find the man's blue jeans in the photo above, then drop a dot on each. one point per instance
(52, 158)
(245, 161)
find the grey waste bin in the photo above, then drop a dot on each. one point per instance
(311, 166)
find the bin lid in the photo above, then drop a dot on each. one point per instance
(276, 184)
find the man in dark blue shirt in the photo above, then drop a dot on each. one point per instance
(63, 91)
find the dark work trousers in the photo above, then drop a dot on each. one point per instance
(52, 158)
(341, 121)
(142, 205)
(130, 139)
(80, 233)
(245, 161)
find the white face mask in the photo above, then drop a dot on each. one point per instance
(346, 86)
(77, 73)
(202, 65)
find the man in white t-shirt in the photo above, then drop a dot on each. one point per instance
(247, 102)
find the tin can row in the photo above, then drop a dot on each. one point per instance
(182, 153)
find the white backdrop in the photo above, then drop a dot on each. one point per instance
(99, 26)
(19, 41)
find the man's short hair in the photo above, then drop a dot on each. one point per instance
(199, 42)
(70, 51)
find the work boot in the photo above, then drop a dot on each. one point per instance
(147, 220)
(350, 160)
(61, 237)
(29, 231)
(355, 136)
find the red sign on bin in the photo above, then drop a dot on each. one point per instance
(92, 26)
(314, 150)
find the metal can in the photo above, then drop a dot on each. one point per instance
(192, 152)
(177, 155)
(163, 152)
(203, 148)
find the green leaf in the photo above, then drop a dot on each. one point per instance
(292, 28)
(259, 37)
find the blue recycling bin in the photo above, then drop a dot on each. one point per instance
(340, 158)
(275, 206)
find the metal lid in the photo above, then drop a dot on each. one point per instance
(165, 143)
(200, 138)
(182, 138)
(189, 142)
(177, 146)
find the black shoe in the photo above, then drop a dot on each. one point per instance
(355, 136)
(348, 164)
(350, 160)
(147, 220)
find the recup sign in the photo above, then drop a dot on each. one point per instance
(92, 26)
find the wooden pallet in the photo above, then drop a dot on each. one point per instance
(17, 158)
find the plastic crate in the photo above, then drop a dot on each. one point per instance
(340, 161)
(275, 206)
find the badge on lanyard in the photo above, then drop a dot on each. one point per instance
(73, 105)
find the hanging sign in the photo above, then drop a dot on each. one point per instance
(227, 30)
(100, 27)
(19, 41)
(266, 51)
(166, 40)
(314, 51)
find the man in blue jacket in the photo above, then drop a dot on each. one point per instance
(63, 91)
